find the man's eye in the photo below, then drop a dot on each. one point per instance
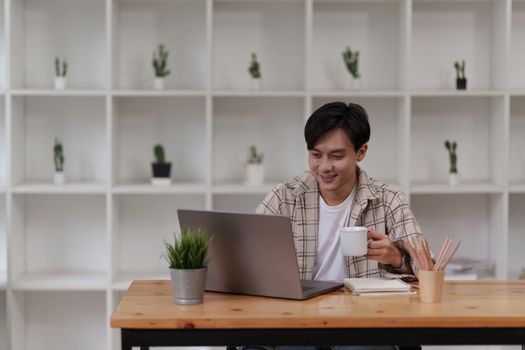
(337, 156)
(316, 155)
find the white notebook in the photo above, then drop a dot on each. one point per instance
(377, 286)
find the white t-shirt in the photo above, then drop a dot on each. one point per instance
(330, 263)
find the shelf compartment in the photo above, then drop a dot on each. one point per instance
(178, 124)
(60, 93)
(179, 25)
(387, 116)
(372, 28)
(478, 151)
(516, 235)
(517, 141)
(51, 320)
(67, 188)
(272, 30)
(57, 239)
(71, 30)
(142, 223)
(471, 24)
(476, 219)
(3, 242)
(517, 54)
(78, 122)
(265, 123)
(61, 281)
(246, 203)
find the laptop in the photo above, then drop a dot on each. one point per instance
(253, 254)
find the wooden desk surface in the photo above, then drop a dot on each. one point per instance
(149, 305)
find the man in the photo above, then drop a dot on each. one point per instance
(336, 193)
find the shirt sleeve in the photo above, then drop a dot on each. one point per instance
(401, 224)
(272, 203)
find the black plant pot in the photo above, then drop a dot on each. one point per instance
(161, 169)
(461, 84)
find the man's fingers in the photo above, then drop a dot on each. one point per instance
(376, 252)
(375, 235)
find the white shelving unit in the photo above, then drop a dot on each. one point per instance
(72, 250)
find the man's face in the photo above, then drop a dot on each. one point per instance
(333, 162)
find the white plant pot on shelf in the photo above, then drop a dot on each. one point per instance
(255, 84)
(60, 83)
(254, 174)
(453, 179)
(59, 178)
(158, 83)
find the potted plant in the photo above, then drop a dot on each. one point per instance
(255, 72)
(58, 157)
(160, 66)
(351, 60)
(453, 176)
(188, 259)
(160, 168)
(60, 74)
(254, 168)
(461, 80)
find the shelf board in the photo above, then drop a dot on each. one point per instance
(456, 93)
(124, 279)
(260, 93)
(358, 93)
(464, 188)
(51, 92)
(61, 281)
(67, 188)
(158, 93)
(146, 188)
(517, 188)
(3, 280)
(237, 188)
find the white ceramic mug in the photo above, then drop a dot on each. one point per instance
(353, 240)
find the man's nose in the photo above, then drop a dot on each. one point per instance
(326, 164)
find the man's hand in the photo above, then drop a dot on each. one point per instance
(380, 248)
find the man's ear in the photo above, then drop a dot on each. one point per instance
(361, 152)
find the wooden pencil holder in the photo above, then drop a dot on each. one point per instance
(431, 285)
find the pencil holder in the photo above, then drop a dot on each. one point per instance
(431, 285)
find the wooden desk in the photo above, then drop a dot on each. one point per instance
(473, 312)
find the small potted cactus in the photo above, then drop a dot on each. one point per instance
(255, 73)
(160, 168)
(254, 168)
(351, 60)
(60, 74)
(160, 66)
(58, 157)
(461, 80)
(453, 176)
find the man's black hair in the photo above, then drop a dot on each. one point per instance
(351, 118)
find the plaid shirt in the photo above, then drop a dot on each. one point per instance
(376, 204)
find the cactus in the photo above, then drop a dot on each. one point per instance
(58, 155)
(58, 73)
(254, 68)
(160, 62)
(451, 147)
(254, 157)
(158, 151)
(460, 69)
(351, 60)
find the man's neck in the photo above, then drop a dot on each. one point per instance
(333, 198)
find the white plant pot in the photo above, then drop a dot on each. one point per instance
(356, 83)
(255, 84)
(59, 178)
(60, 83)
(158, 83)
(453, 179)
(254, 174)
(161, 181)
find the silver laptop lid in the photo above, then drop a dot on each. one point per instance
(251, 254)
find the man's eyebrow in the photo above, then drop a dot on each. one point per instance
(339, 150)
